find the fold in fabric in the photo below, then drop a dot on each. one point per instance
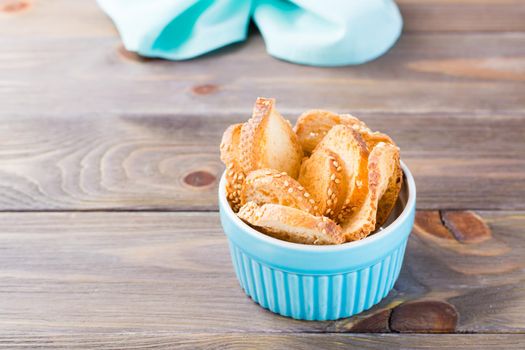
(312, 32)
(178, 29)
(328, 32)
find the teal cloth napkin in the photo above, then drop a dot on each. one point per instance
(312, 32)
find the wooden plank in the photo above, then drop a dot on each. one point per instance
(54, 18)
(463, 15)
(171, 272)
(171, 162)
(138, 340)
(85, 19)
(423, 73)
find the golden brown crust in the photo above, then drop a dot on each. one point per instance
(234, 184)
(234, 174)
(389, 198)
(268, 141)
(381, 166)
(373, 138)
(252, 130)
(271, 186)
(353, 152)
(291, 224)
(230, 142)
(323, 176)
(313, 125)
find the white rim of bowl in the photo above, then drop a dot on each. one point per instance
(323, 248)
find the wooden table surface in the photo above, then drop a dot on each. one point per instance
(109, 163)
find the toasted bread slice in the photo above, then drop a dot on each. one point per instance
(268, 141)
(389, 198)
(353, 152)
(323, 177)
(271, 186)
(313, 125)
(373, 138)
(382, 164)
(291, 224)
(234, 173)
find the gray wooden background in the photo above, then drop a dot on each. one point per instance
(109, 164)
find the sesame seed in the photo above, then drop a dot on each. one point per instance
(306, 194)
(290, 190)
(333, 196)
(336, 164)
(316, 208)
(329, 191)
(231, 172)
(332, 177)
(286, 183)
(268, 172)
(329, 202)
(327, 211)
(339, 168)
(337, 181)
(300, 188)
(284, 173)
(312, 201)
(325, 232)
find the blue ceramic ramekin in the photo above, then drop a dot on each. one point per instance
(310, 282)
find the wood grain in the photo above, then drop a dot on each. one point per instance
(466, 226)
(149, 340)
(427, 316)
(423, 73)
(463, 15)
(53, 18)
(69, 273)
(172, 163)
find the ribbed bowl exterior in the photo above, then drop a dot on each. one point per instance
(317, 297)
